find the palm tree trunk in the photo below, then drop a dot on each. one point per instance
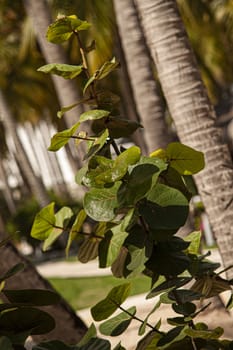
(193, 114)
(69, 327)
(66, 90)
(35, 183)
(146, 93)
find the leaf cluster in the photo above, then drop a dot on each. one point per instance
(133, 206)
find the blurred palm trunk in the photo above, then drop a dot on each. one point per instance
(146, 93)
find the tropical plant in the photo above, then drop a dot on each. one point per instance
(193, 114)
(134, 206)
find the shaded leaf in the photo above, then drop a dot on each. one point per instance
(88, 250)
(184, 295)
(164, 202)
(171, 283)
(36, 297)
(185, 309)
(109, 305)
(61, 138)
(172, 335)
(149, 342)
(75, 229)
(5, 344)
(25, 321)
(118, 127)
(118, 324)
(95, 146)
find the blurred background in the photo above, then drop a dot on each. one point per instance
(30, 175)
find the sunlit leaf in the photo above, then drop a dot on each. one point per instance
(109, 305)
(93, 114)
(63, 28)
(100, 204)
(44, 222)
(62, 218)
(184, 159)
(118, 324)
(61, 138)
(65, 71)
(204, 334)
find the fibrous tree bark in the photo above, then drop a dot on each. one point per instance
(193, 114)
(145, 89)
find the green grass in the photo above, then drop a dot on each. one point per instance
(86, 292)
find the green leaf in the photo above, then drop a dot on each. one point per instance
(172, 335)
(96, 145)
(103, 171)
(195, 240)
(5, 344)
(205, 334)
(25, 321)
(100, 204)
(141, 178)
(12, 271)
(176, 282)
(63, 28)
(106, 69)
(167, 258)
(138, 259)
(61, 138)
(88, 83)
(149, 342)
(184, 159)
(93, 115)
(88, 250)
(68, 108)
(75, 229)
(165, 208)
(36, 297)
(109, 305)
(184, 295)
(110, 246)
(66, 71)
(62, 218)
(185, 309)
(118, 127)
(118, 324)
(119, 347)
(43, 223)
(91, 333)
(143, 326)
